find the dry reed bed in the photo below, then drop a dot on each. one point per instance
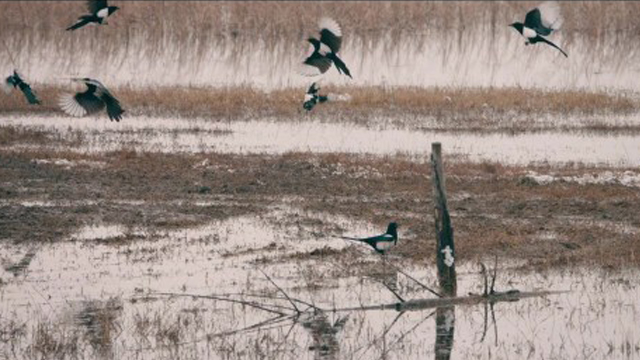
(494, 208)
(209, 22)
(482, 109)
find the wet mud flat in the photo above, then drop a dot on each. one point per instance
(105, 240)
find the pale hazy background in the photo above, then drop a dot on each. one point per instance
(258, 44)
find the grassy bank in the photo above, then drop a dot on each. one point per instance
(477, 109)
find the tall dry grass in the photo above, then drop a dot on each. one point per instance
(206, 22)
(366, 102)
(146, 29)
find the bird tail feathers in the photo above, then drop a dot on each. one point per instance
(342, 67)
(83, 21)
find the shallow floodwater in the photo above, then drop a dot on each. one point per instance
(98, 295)
(276, 137)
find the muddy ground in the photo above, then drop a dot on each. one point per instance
(496, 209)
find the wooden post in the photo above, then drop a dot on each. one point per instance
(445, 257)
(445, 250)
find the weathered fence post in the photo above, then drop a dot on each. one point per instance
(445, 256)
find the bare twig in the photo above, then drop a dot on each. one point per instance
(282, 291)
(495, 274)
(392, 291)
(415, 280)
(275, 298)
(483, 271)
(406, 333)
(218, 298)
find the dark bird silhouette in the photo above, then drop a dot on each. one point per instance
(94, 99)
(99, 12)
(324, 51)
(311, 98)
(539, 22)
(380, 243)
(16, 81)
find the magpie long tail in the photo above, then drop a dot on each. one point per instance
(342, 67)
(350, 238)
(79, 24)
(28, 93)
(554, 45)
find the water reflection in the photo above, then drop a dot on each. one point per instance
(445, 328)
(109, 290)
(324, 334)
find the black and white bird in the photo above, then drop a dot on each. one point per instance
(16, 81)
(99, 12)
(311, 98)
(94, 99)
(380, 243)
(324, 51)
(539, 22)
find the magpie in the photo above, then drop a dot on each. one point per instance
(94, 99)
(539, 22)
(16, 81)
(311, 98)
(324, 51)
(99, 11)
(380, 243)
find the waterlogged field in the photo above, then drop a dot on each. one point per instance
(151, 239)
(206, 223)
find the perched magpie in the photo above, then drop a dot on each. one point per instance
(325, 50)
(99, 12)
(539, 22)
(91, 101)
(311, 98)
(380, 243)
(16, 81)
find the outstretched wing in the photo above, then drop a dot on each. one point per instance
(114, 110)
(551, 15)
(7, 84)
(312, 89)
(545, 18)
(330, 34)
(95, 5)
(80, 104)
(533, 20)
(314, 65)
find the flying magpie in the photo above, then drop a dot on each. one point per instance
(16, 81)
(99, 11)
(311, 98)
(94, 99)
(324, 51)
(539, 22)
(380, 243)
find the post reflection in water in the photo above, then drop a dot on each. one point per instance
(445, 325)
(324, 334)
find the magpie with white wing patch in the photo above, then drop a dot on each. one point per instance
(99, 12)
(380, 243)
(324, 51)
(94, 99)
(539, 22)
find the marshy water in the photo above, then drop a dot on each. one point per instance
(269, 136)
(101, 293)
